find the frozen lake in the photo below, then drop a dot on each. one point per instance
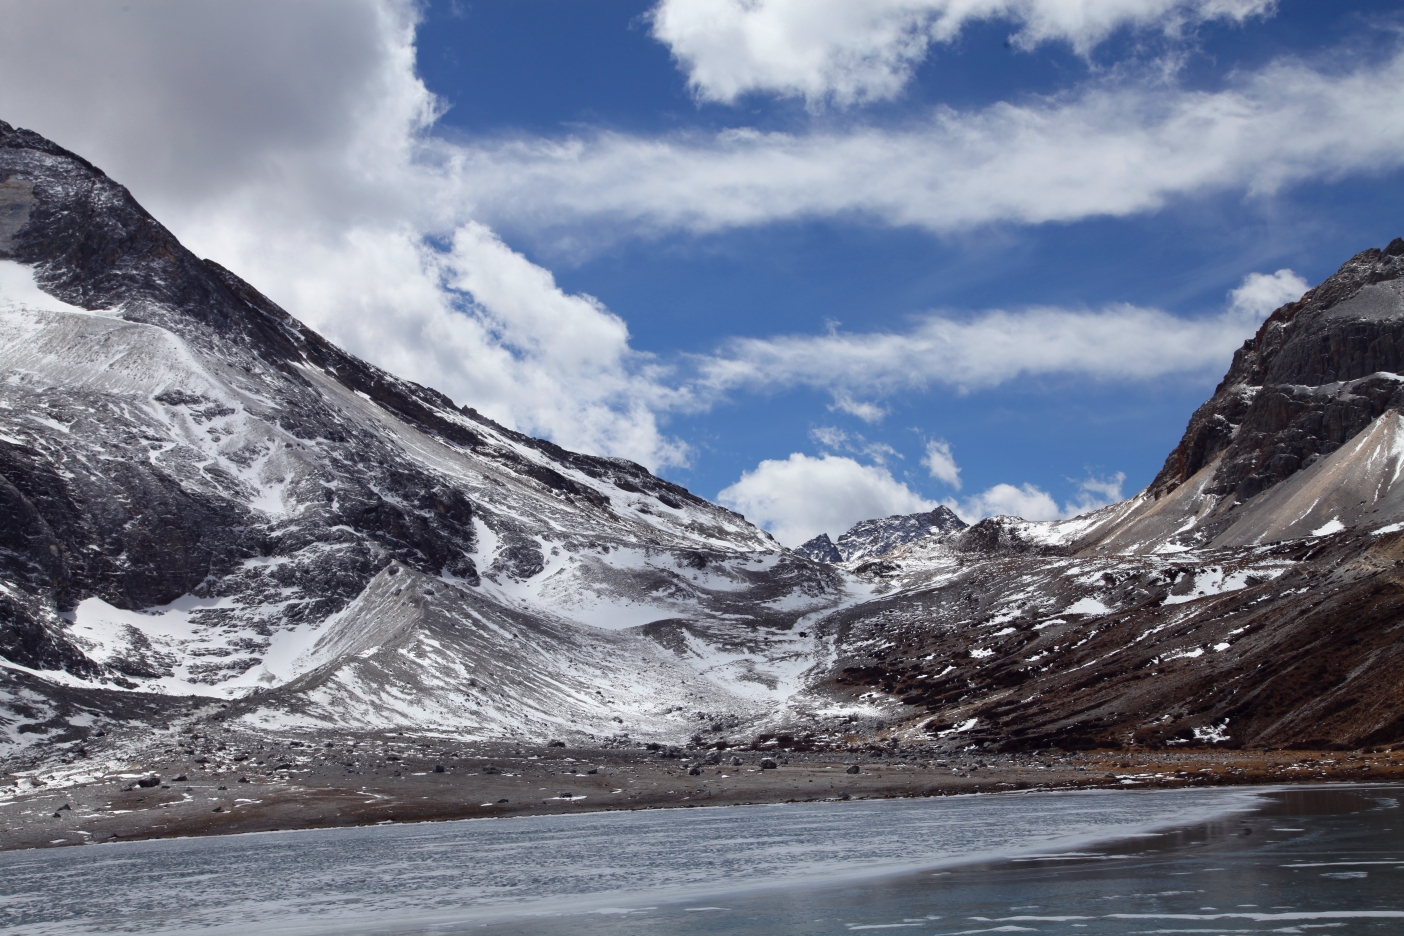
(1101, 862)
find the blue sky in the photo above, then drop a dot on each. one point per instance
(550, 67)
(824, 260)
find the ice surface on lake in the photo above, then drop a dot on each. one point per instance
(405, 878)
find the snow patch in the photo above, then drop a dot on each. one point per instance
(1333, 525)
(1087, 605)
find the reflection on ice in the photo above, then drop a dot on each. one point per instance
(1048, 863)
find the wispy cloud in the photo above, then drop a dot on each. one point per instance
(1117, 342)
(941, 463)
(1114, 147)
(849, 52)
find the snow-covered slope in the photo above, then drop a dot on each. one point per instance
(413, 652)
(202, 491)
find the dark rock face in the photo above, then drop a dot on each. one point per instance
(994, 535)
(1318, 371)
(820, 549)
(870, 538)
(33, 636)
(875, 537)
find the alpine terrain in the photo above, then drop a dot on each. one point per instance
(212, 513)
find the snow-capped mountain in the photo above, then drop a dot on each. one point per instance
(869, 538)
(203, 496)
(200, 490)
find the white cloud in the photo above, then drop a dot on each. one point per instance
(800, 497)
(1027, 501)
(1111, 148)
(941, 463)
(1261, 293)
(288, 141)
(830, 437)
(293, 143)
(880, 452)
(1119, 342)
(1034, 503)
(836, 440)
(1095, 493)
(868, 412)
(851, 51)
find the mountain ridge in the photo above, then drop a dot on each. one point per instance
(212, 501)
(870, 538)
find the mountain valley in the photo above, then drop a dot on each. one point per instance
(217, 523)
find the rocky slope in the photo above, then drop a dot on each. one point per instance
(1250, 595)
(1319, 372)
(208, 504)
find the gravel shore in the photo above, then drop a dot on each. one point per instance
(195, 780)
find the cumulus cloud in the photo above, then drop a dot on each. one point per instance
(1118, 342)
(941, 463)
(1261, 293)
(802, 496)
(1095, 493)
(1026, 500)
(292, 143)
(1034, 503)
(850, 51)
(1114, 147)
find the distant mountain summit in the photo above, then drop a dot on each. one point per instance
(820, 549)
(869, 538)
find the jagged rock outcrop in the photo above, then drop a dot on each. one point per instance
(870, 538)
(820, 549)
(1318, 371)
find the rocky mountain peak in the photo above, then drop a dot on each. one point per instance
(869, 538)
(820, 549)
(1318, 371)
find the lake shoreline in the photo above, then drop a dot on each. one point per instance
(261, 785)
